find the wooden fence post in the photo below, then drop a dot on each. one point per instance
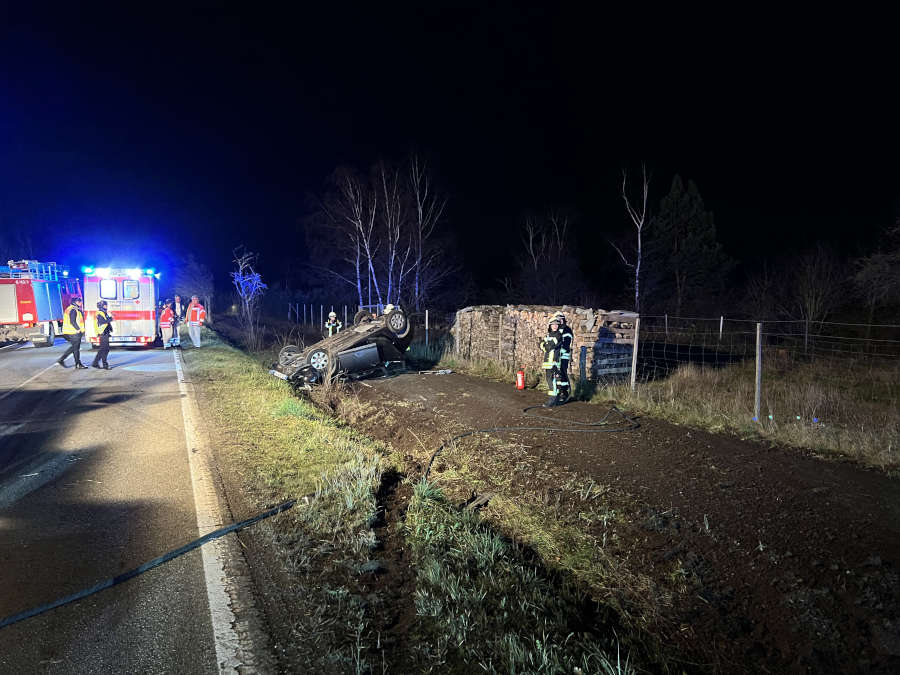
(426, 329)
(721, 322)
(634, 352)
(756, 404)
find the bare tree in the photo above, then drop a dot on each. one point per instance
(384, 228)
(428, 211)
(877, 276)
(250, 287)
(544, 267)
(350, 212)
(639, 220)
(761, 289)
(393, 216)
(816, 288)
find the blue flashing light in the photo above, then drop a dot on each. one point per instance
(88, 269)
(815, 420)
(150, 271)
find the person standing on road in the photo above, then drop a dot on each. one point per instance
(167, 324)
(103, 328)
(196, 315)
(73, 331)
(565, 356)
(333, 324)
(550, 345)
(180, 311)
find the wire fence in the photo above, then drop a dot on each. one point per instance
(815, 373)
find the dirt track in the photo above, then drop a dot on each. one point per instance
(790, 560)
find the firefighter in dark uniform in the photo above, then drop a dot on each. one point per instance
(550, 345)
(103, 328)
(73, 331)
(565, 357)
(333, 324)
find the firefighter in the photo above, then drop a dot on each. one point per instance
(550, 345)
(565, 356)
(103, 328)
(196, 315)
(73, 331)
(333, 324)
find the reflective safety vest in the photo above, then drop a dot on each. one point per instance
(333, 326)
(565, 347)
(101, 321)
(550, 345)
(196, 314)
(68, 328)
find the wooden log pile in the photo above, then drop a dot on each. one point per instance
(511, 335)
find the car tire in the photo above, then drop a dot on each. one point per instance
(287, 354)
(361, 316)
(398, 323)
(323, 362)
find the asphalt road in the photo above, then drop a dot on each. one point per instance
(94, 481)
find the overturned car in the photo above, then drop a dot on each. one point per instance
(370, 345)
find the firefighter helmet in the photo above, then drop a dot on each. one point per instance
(553, 319)
(101, 304)
(332, 315)
(560, 316)
(388, 308)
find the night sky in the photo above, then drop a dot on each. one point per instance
(147, 135)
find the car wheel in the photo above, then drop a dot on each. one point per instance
(398, 323)
(361, 316)
(323, 362)
(287, 354)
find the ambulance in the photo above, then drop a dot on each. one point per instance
(132, 294)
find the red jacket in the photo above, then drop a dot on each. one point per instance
(167, 318)
(196, 314)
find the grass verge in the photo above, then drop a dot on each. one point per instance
(807, 408)
(504, 613)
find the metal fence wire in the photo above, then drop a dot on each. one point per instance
(808, 371)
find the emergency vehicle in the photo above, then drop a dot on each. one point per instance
(33, 297)
(131, 294)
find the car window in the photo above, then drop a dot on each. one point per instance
(131, 289)
(108, 289)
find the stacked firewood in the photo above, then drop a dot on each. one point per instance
(511, 334)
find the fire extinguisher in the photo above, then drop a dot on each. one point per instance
(520, 379)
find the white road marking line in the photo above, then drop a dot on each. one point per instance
(33, 377)
(209, 518)
(14, 345)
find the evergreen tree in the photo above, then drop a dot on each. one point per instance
(688, 267)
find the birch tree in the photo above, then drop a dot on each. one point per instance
(429, 207)
(638, 217)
